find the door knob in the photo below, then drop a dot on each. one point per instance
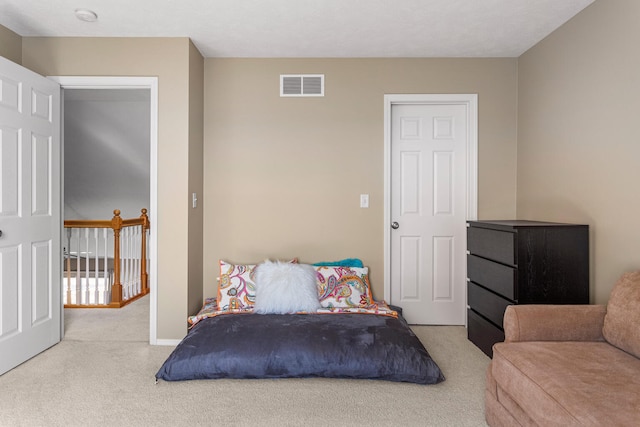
(395, 225)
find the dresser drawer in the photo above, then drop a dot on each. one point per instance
(487, 303)
(483, 333)
(493, 244)
(499, 278)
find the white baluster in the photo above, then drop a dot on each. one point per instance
(85, 279)
(137, 260)
(129, 261)
(78, 266)
(132, 270)
(132, 259)
(124, 250)
(67, 267)
(106, 272)
(96, 268)
(123, 265)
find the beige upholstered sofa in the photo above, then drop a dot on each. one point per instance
(569, 365)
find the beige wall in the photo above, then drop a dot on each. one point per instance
(283, 175)
(196, 112)
(169, 60)
(578, 139)
(10, 45)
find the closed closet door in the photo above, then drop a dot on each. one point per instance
(428, 212)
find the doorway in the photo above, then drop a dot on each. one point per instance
(118, 89)
(430, 193)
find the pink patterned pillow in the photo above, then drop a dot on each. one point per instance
(343, 287)
(236, 287)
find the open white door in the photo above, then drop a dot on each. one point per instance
(30, 217)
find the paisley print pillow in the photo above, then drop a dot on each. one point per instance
(343, 287)
(236, 287)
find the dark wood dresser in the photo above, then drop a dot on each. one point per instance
(521, 262)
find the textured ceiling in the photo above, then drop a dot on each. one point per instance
(308, 28)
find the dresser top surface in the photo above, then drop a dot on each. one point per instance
(511, 224)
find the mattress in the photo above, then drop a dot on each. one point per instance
(249, 345)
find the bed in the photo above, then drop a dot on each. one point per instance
(344, 334)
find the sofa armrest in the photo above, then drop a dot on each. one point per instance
(554, 322)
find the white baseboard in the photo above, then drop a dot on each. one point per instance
(167, 342)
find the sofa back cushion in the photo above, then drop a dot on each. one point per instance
(622, 321)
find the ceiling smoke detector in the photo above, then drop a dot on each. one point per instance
(86, 15)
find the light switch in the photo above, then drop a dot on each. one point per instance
(364, 200)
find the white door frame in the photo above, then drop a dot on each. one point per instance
(471, 103)
(151, 83)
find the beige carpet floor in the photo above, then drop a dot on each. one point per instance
(102, 374)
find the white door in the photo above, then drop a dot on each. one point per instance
(429, 212)
(30, 261)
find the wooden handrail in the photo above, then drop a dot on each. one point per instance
(87, 223)
(116, 224)
(108, 223)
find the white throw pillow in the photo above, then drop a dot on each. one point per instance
(282, 287)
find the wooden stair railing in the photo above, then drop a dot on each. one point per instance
(118, 298)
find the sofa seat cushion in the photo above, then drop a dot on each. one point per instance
(570, 383)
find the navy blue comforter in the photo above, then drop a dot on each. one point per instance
(301, 345)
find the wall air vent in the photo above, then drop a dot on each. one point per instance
(302, 85)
